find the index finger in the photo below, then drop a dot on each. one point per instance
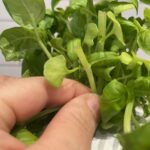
(20, 99)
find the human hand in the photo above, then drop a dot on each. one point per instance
(71, 129)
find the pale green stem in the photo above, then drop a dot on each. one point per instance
(87, 68)
(128, 116)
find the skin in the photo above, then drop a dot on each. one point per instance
(71, 129)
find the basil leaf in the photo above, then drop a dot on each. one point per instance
(144, 40)
(119, 7)
(26, 12)
(54, 3)
(147, 15)
(145, 1)
(15, 42)
(90, 34)
(55, 70)
(142, 86)
(113, 100)
(72, 47)
(138, 139)
(25, 136)
(116, 30)
(78, 3)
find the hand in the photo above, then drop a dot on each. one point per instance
(71, 129)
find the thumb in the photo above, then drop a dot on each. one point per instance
(73, 126)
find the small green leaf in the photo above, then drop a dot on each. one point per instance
(54, 3)
(101, 59)
(25, 136)
(72, 47)
(15, 42)
(113, 100)
(142, 86)
(119, 7)
(78, 23)
(26, 12)
(78, 3)
(147, 15)
(90, 34)
(125, 58)
(116, 30)
(103, 73)
(146, 1)
(144, 40)
(57, 43)
(136, 140)
(55, 70)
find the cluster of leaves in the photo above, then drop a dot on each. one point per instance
(91, 43)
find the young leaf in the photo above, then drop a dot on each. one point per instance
(136, 140)
(119, 7)
(99, 59)
(144, 40)
(25, 136)
(146, 1)
(15, 42)
(103, 73)
(116, 30)
(78, 3)
(54, 3)
(90, 34)
(142, 86)
(147, 15)
(55, 70)
(125, 58)
(33, 63)
(26, 12)
(77, 24)
(113, 100)
(72, 47)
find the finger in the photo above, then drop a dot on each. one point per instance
(73, 127)
(13, 144)
(20, 99)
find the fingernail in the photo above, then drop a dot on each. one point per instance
(94, 104)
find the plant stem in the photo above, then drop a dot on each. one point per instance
(87, 68)
(44, 48)
(128, 116)
(42, 45)
(136, 123)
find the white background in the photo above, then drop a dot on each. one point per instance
(14, 68)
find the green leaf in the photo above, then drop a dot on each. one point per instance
(90, 34)
(25, 136)
(135, 3)
(136, 140)
(15, 42)
(142, 86)
(74, 4)
(78, 23)
(54, 3)
(147, 15)
(72, 47)
(99, 59)
(116, 30)
(144, 40)
(125, 58)
(57, 43)
(146, 1)
(55, 70)
(113, 100)
(33, 63)
(26, 12)
(119, 7)
(103, 73)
